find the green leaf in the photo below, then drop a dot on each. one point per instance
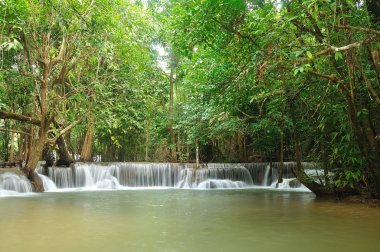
(309, 55)
(298, 53)
(338, 56)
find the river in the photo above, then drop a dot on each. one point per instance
(185, 220)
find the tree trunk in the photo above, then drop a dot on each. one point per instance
(147, 139)
(187, 148)
(171, 114)
(179, 149)
(324, 162)
(28, 146)
(373, 159)
(240, 140)
(196, 154)
(86, 153)
(281, 167)
(65, 158)
(34, 157)
(20, 148)
(245, 149)
(368, 146)
(12, 148)
(300, 174)
(6, 142)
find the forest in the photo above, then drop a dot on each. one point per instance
(198, 81)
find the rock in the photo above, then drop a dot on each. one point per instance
(294, 183)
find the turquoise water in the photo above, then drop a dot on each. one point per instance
(185, 220)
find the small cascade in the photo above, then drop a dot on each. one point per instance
(260, 172)
(47, 183)
(149, 175)
(193, 178)
(266, 175)
(289, 183)
(62, 177)
(221, 184)
(13, 184)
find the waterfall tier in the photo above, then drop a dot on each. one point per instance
(13, 184)
(111, 176)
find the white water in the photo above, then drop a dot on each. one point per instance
(266, 175)
(12, 184)
(122, 176)
(47, 183)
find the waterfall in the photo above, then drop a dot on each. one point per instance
(168, 175)
(111, 176)
(221, 184)
(266, 175)
(47, 183)
(13, 184)
(209, 177)
(126, 175)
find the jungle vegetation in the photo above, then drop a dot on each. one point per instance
(183, 81)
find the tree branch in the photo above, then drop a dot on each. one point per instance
(324, 76)
(232, 30)
(332, 49)
(367, 30)
(63, 131)
(15, 131)
(20, 118)
(368, 83)
(59, 57)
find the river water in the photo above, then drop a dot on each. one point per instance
(185, 220)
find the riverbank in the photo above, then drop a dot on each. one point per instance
(364, 199)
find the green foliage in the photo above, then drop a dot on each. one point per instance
(244, 76)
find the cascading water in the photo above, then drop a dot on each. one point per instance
(125, 175)
(95, 176)
(47, 183)
(216, 176)
(13, 184)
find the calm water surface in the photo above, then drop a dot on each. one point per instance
(185, 220)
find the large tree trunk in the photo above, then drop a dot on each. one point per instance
(65, 157)
(300, 174)
(368, 146)
(373, 158)
(21, 148)
(34, 157)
